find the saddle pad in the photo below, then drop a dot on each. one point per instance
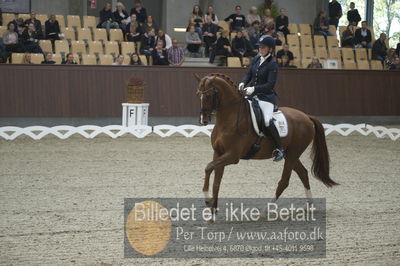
(279, 121)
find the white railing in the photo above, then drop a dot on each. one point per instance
(188, 131)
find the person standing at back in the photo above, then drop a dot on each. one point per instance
(335, 13)
(139, 11)
(353, 16)
(282, 22)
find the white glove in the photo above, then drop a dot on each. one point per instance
(241, 86)
(249, 90)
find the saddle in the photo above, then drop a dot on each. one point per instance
(258, 122)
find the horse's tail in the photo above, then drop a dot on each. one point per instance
(320, 155)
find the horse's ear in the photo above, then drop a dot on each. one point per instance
(197, 77)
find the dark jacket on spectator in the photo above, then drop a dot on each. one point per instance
(353, 16)
(239, 44)
(118, 17)
(106, 16)
(211, 28)
(147, 42)
(398, 49)
(36, 22)
(279, 21)
(27, 38)
(379, 49)
(238, 20)
(48, 62)
(335, 9)
(157, 60)
(141, 15)
(221, 42)
(317, 24)
(282, 53)
(51, 28)
(360, 38)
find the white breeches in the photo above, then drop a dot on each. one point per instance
(267, 109)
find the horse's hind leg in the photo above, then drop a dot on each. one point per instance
(303, 174)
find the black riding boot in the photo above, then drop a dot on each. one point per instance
(278, 152)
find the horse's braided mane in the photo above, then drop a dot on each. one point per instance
(224, 77)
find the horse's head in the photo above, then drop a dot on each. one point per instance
(209, 100)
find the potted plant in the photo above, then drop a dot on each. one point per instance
(136, 90)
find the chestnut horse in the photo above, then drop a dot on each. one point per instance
(233, 136)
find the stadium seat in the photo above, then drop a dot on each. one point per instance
(363, 64)
(106, 60)
(321, 53)
(74, 21)
(305, 29)
(84, 34)
(369, 50)
(7, 17)
(372, 33)
(89, 22)
(319, 41)
(116, 35)
(61, 21)
(57, 58)
(100, 35)
(334, 53)
(223, 24)
(293, 28)
(293, 40)
(348, 54)
(332, 29)
(296, 52)
(112, 48)
(78, 47)
(278, 47)
(332, 41)
(127, 48)
(24, 16)
(61, 47)
(305, 63)
(296, 63)
(69, 34)
(341, 30)
(138, 46)
(234, 62)
(306, 41)
(46, 46)
(361, 54)
(17, 58)
(89, 59)
(376, 65)
(2, 30)
(37, 58)
(307, 53)
(143, 58)
(42, 18)
(127, 60)
(349, 64)
(232, 36)
(95, 47)
(77, 59)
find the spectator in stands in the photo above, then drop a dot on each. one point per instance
(252, 16)
(35, 22)
(175, 54)
(210, 12)
(209, 34)
(27, 59)
(251, 51)
(196, 19)
(69, 60)
(150, 24)
(254, 32)
(237, 20)
(19, 26)
(285, 52)
(348, 39)
(282, 22)
(160, 55)
(285, 62)
(148, 42)
(107, 19)
(353, 16)
(321, 26)
(398, 49)
(364, 36)
(165, 38)
(121, 16)
(193, 40)
(133, 30)
(379, 49)
(10, 41)
(315, 63)
(1, 17)
(135, 60)
(267, 17)
(396, 64)
(52, 28)
(335, 13)
(119, 61)
(48, 59)
(239, 46)
(31, 39)
(139, 11)
(269, 28)
(223, 47)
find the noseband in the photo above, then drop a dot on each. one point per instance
(215, 103)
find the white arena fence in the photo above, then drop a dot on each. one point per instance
(188, 131)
